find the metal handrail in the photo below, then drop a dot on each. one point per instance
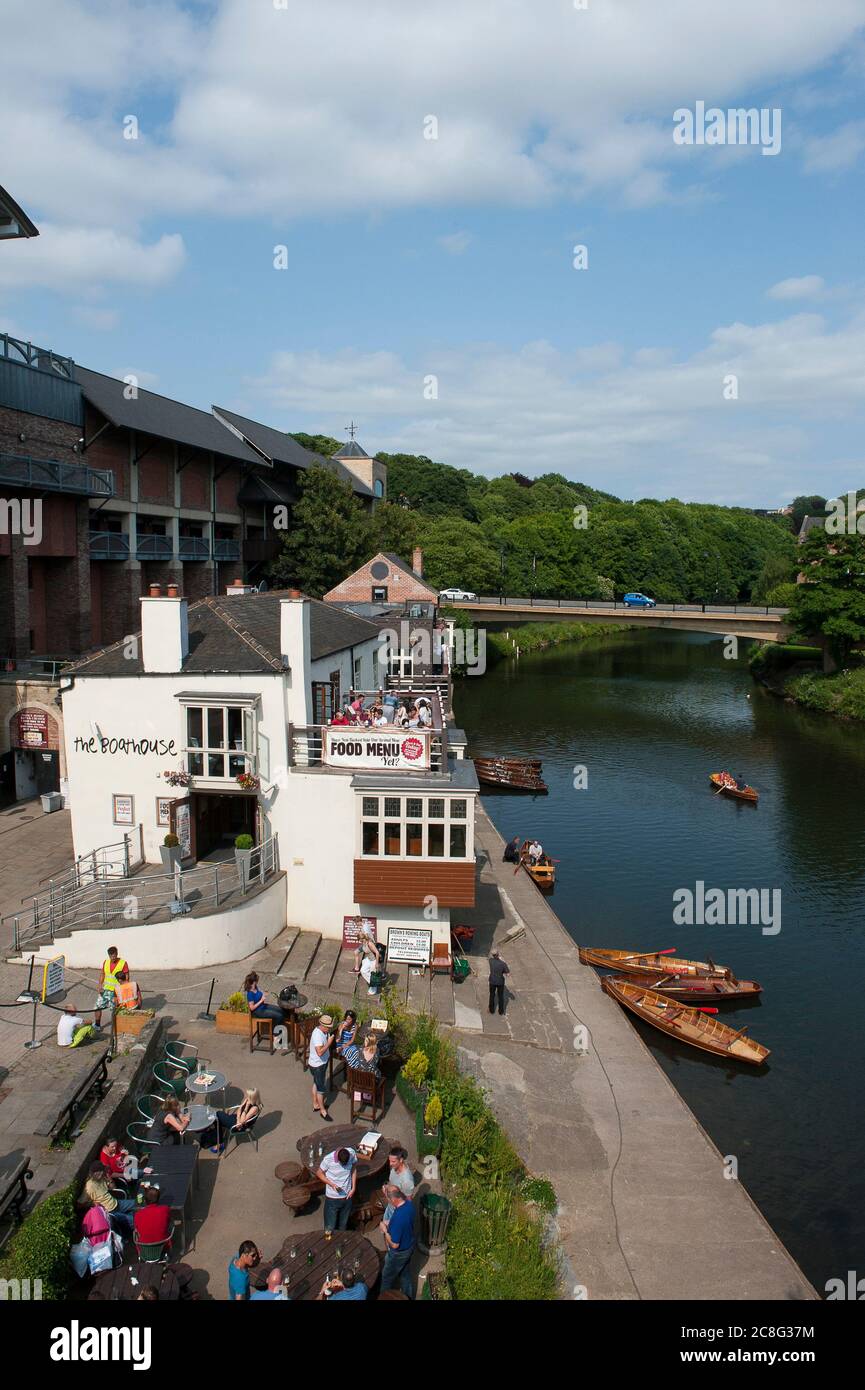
(193, 548)
(40, 359)
(50, 475)
(109, 545)
(498, 601)
(226, 550)
(154, 547)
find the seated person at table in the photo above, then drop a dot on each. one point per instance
(148, 1295)
(365, 1058)
(233, 1121)
(255, 998)
(274, 1292)
(424, 713)
(340, 718)
(72, 1029)
(152, 1220)
(127, 995)
(343, 1288)
(355, 710)
(119, 1210)
(246, 1259)
(346, 1031)
(115, 1160)
(401, 716)
(378, 717)
(168, 1124)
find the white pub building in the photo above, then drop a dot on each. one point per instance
(214, 722)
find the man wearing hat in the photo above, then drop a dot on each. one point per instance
(498, 971)
(317, 1060)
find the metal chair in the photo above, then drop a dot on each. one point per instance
(147, 1106)
(248, 1132)
(174, 1054)
(175, 1085)
(154, 1252)
(138, 1131)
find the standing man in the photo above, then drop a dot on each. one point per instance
(512, 850)
(399, 1239)
(498, 971)
(112, 966)
(317, 1060)
(338, 1172)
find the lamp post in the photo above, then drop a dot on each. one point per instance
(534, 573)
(502, 575)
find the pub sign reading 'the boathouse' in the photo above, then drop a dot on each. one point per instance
(371, 748)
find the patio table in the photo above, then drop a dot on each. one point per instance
(305, 1278)
(206, 1089)
(332, 1137)
(116, 1285)
(172, 1168)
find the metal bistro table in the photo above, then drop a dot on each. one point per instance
(201, 1117)
(206, 1090)
(172, 1168)
(305, 1277)
(333, 1137)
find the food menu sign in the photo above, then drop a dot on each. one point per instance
(32, 728)
(376, 748)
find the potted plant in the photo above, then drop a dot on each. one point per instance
(411, 1080)
(428, 1127)
(132, 1020)
(170, 852)
(243, 847)
(232, 1016)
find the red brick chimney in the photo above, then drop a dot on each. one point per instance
(417, 561)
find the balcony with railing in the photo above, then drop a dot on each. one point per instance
(154, 547)
(50, 475)
(109, 545)
(193, 548)
(389, 747)
(226, 550)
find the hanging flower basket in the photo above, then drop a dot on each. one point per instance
(248, 781)
(178, 779)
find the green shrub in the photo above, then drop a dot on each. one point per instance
(841, 694)
(540, 1191)
(433, 1113)
(235, 1003)
(782, 596)
(39, 1249)
(416, 1068)
(244, 842)
(171, 841)
(498, 1254)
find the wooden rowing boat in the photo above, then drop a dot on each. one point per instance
(636, 963)
(688, 1025)
(730, 789)
(517, 776)
(510, 762)
(542, 874)
(695, 989)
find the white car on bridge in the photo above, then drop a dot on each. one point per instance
(457, 596)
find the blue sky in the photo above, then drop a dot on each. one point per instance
(407, 258)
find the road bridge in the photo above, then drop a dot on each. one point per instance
(729, 620)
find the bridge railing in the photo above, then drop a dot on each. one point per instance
(496, 600)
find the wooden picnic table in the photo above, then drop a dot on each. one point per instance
(305, 1279)
(334, 1137)
(170, 1281)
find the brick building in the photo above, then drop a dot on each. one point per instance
(385, 579)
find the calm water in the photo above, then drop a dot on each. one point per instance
(650, 715)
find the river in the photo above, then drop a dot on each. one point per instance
(649, 715)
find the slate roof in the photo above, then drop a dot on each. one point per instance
(351, 450)
(238, 634)
(809, 524)
(11, 212)
(161, 416)
(280, 447)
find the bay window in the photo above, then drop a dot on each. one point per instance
(415, 827)
(220, 740)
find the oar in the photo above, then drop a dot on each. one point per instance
(735, 1036)
(668, 951)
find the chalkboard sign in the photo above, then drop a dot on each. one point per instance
(53, 977)
(410, 944)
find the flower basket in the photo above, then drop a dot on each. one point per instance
(179, 778)
(428, 1142)
(247, 781)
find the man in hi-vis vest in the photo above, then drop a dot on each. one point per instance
(112, 966)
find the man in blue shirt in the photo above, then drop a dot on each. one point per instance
(345, 1288)
(274, 1290)
(399, 1239)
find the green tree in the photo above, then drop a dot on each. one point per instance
(328, 537)
(392, 528)
(806, 506)
(456, 553)
(318, 443)
(831, 601)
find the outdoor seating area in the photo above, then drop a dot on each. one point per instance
(224, 1178)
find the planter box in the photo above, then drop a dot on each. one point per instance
(437, 1288)
(227, 1021)
(135, 1022)
(413, 1098)
(426, 1143)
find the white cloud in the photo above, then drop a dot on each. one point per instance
(835, 153)
(72, 258)
(455, 243)
(647, 421)
(799, 287)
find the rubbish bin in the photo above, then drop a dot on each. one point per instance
(51, 801)
(435, 1214)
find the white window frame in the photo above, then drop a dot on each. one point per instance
(425, 820)
(227, 753)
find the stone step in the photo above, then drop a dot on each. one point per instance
(442, 998)
(301, 956)
(418, 989)
(321, 971)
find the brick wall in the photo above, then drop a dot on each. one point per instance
(358, 587)
(156, 473)
(110, 450)
(196, 581)
(44, 438)
(195, 484)
(227, 487)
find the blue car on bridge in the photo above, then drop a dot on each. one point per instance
(638, 601)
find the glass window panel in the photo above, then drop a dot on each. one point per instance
(215, 765)
(235, 728)
(458, 842)
(236, 764)
(392, 837)
(437, 808)
(370, 805)
(196, 764)
(194, 727)
(392, 806)
(436, 835)
(414, 807)
(215, 728)
(414, 838)
(370, 837)
(458, 810)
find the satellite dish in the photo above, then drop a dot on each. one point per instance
(263, 587)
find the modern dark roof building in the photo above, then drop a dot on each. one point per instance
(14, 222)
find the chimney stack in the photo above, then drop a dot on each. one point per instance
(417, 561)
(238, 588)
(164, 632)
(295, 645)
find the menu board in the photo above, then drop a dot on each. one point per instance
(376, 748)
(124, 810)
(31, 728)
